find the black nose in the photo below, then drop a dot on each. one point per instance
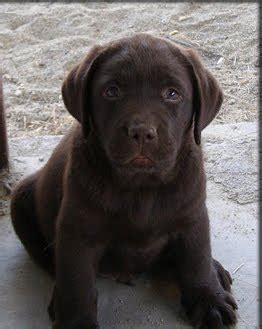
(142, 133)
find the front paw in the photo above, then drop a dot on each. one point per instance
(211, 308)
(223, 275)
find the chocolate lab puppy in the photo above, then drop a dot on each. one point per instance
(125, 189)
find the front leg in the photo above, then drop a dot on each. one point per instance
(77, 254)
(207, 302)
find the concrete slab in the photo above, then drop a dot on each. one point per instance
(231, 165)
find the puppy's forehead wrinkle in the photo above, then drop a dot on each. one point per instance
(130, 65)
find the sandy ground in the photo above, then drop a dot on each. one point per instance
(40, 43)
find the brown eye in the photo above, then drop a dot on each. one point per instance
(112, 92)
(171, 94)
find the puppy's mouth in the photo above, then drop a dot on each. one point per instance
(141, 161)
(135, 163)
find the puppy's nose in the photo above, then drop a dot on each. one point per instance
(142, 133)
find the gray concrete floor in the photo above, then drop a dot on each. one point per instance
(231, 165)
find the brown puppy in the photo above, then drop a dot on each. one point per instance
(125, 189)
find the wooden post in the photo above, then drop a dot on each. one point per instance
(3, 135)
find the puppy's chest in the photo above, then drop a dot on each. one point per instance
(145, 214)
(140, 231)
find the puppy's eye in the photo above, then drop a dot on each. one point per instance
(171, 94)
(112, 92)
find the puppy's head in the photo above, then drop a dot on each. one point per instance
(144, 96)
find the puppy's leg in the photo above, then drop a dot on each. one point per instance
(25, 224)
(78, 251)
(205, 297)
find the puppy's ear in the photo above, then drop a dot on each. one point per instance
(76, 87)
(207, 94)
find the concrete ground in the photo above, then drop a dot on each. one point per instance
(231, 165)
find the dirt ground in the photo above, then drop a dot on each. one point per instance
(40, 43)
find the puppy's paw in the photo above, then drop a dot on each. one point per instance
(223, 275)
(212, 309)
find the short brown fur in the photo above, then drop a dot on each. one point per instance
(124, 191)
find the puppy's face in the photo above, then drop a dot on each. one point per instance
(142, 101)
(142, 94)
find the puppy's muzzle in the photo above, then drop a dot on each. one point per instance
(142, 133)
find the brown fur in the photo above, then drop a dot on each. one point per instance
(97, 208)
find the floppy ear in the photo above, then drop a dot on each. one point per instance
(207, 94)
(76, 87)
